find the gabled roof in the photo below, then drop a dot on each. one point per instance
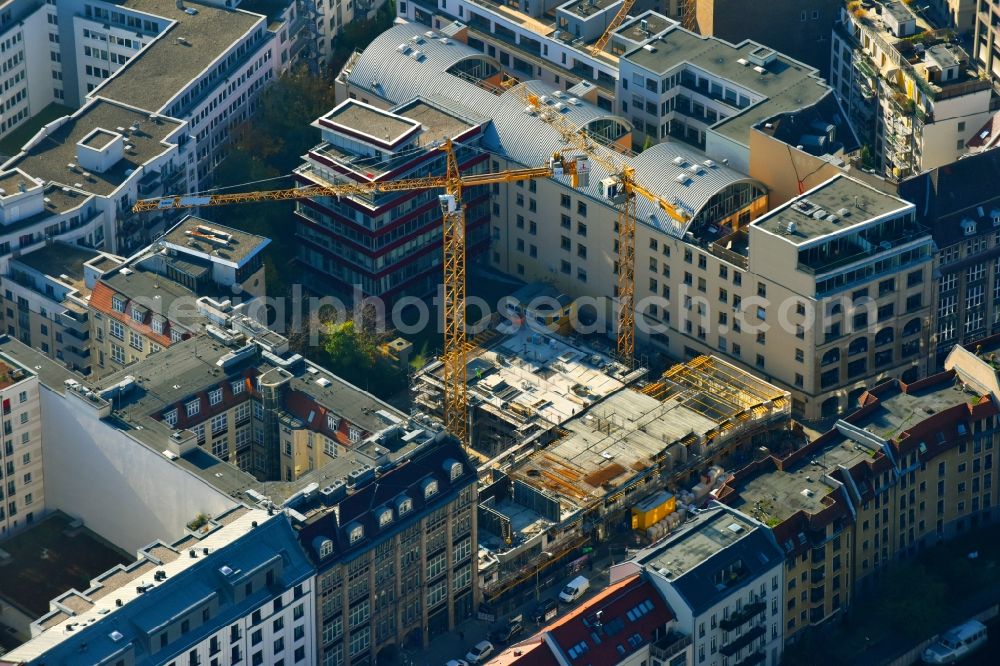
(631, 612)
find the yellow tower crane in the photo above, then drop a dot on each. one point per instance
(456, 349)
(622, 191)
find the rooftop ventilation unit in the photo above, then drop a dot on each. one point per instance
(574, 101)
(759, 69)
(649, 47)
(679, 161)
(682, 178)
(743, 61)
(709, 163)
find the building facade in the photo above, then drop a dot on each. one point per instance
(723, 578)
(915, 98)
(22, 484)
(959, 206)
(388, 244)
(45, 297)
(240, 591)
(197, 274)
(395, 554)
(851, 502)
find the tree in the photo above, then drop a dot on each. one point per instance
(353, 354)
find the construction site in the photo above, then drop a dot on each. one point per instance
(575, 448)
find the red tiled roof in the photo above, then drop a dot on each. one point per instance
(619, 622)
(100, 300)
(301, 405)
(988, 135)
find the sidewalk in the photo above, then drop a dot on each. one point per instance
(455, 644)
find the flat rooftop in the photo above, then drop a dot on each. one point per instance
(718, 530)
(369, 120)
(98, 139)
(186, 46)
(51, 557)
(437, 123)
(849, 201)
(655, 23)
(50, 157)
(63, 261)
(208, 239)
(786, 86)
(11, 182)
(586, 8)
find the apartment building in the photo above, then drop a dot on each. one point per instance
(722, 575)
(709, 93)
(961, 208)
(77, 179)
(389, 244)
(171, 290)
(691, 278)
(30, 69)
(394, 551)
(986, 39)
(914, 97)
(44, 300)
(800, 30)
(595, 627)
(911, 465)
(239, 590)
(22, 484)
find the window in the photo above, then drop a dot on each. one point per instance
(237, 387)
(118, 304)
(193, 407)
(357, 533)
(215, 396)
(116, 329)
(218, 424)
(581, 209)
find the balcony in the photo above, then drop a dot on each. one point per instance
(743, 616)
(668, 646)
(757, 657)
(743, 641)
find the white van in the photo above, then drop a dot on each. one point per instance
(574, 589)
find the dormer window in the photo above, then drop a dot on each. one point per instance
(137, 314)
(968, 226)
(238, 386)
(215, 396)
(385, 517)
(175, 335)
(325, 548)
(356, 534)
(403, 506)
(354, 434)
(430, 488)
(453, 468)
(170, 418)
(192, 408)
(332, 421)
(118, 304)
(157, 325)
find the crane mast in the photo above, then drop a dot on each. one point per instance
(455, 346)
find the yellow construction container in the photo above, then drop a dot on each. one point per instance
(652, 510)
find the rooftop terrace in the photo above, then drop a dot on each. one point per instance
(63, 261)
(716, 530)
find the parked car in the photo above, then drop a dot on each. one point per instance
(574, 589)
(505, 632)
(545, 611)
(457, 662)
(479, 653)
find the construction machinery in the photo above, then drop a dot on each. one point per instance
(456, 349)
(619, 16)
(621, 188)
